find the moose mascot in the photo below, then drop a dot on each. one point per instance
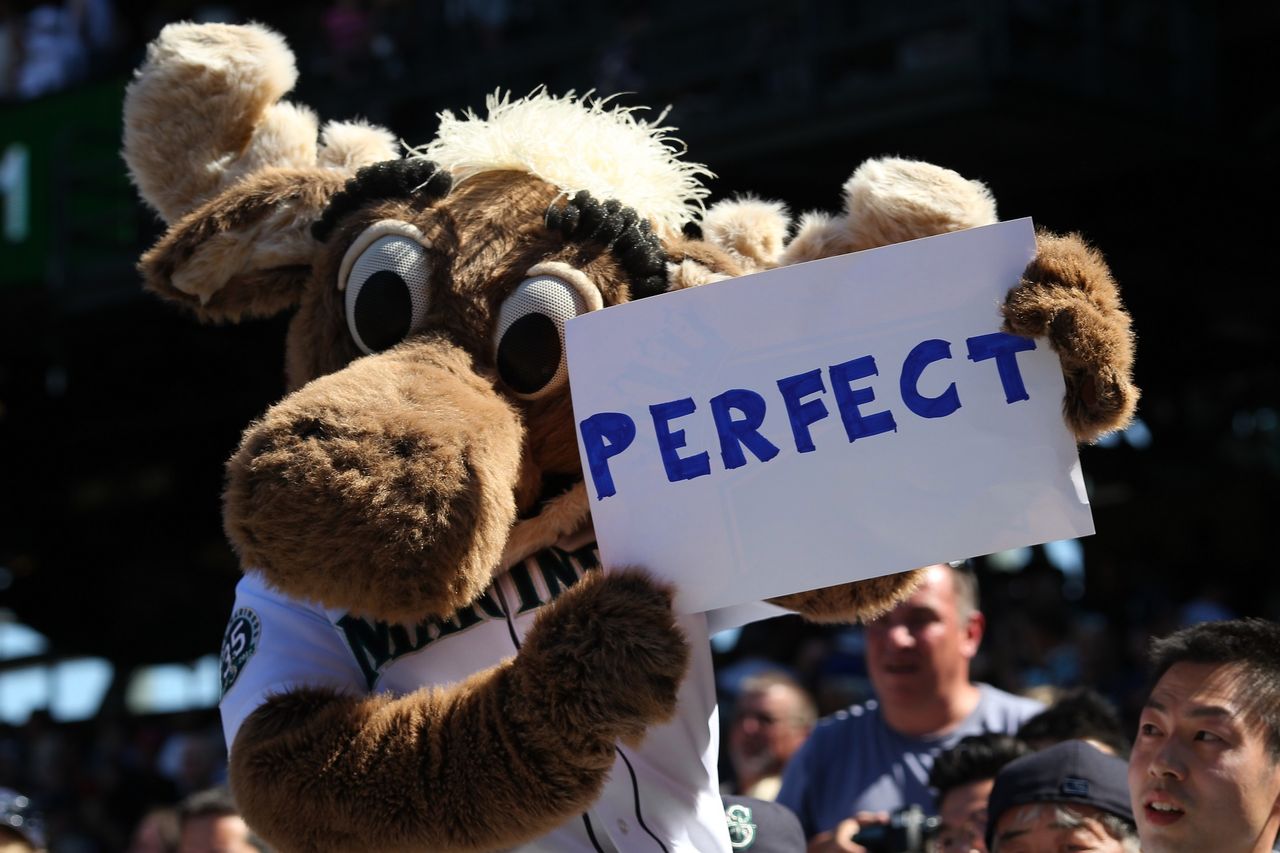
(425, 652)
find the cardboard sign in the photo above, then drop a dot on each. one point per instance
(825, 422)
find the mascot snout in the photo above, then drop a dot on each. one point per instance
(401, 467)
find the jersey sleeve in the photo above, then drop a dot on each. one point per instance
(274, 644)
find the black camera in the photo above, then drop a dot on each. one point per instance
(907, 831)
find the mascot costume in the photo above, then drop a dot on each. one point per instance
(424, 653)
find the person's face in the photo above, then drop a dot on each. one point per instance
(1200, 774)
(921, 648)
(1035, 828)
(963, 811)
(215, 834)
(148, 837)
(766, 730)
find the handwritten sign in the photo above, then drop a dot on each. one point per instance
(825, 422)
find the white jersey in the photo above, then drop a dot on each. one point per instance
(663, 795)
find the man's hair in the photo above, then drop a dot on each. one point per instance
(806, 711)
(1252, 645)
(1079, 714)
(214, 802)
(964, 580)
(211, 802)
(973, 759)
(1066, 816)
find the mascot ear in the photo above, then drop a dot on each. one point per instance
(238, 175)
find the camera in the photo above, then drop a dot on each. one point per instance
(907, 831)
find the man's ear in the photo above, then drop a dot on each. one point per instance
(974, 628)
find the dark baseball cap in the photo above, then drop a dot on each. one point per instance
(762, 826)
(1071, 773)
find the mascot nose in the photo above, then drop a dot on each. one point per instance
(395, 476)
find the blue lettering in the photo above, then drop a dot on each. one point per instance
(803, 414)
(734, 434)
(1003, 348)
(605, 435)
(856, 424)
(920, 357)
(669, 442)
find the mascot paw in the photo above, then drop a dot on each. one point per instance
(610, 654)
(1068, 296)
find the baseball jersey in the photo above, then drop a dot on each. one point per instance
(662, 795)
(853, 762)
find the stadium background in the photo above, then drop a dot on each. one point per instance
(1149, 126)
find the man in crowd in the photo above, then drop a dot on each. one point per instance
(1069, 796)
(1205, 769)
(962, 777)
(875, 758)
(209, 822)
(772, 717)
(1078, 714)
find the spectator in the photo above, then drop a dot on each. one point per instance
(1205, 769)
(1070, 796)
(209, 822)
(157, 832)
(1078, 714)
(962, 777)
(875, 758)
(21, 826)
(772, 717)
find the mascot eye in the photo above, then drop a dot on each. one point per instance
(386, 290)
(529, 337)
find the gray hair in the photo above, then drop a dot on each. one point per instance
(1066, 816)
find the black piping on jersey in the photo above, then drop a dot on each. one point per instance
(635, 790)
(635, 784)
(506, 612)
(511, 627)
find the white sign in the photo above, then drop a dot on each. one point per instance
(825, 422)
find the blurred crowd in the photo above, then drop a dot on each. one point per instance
(97, 782)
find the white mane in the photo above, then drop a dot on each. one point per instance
(576, 144)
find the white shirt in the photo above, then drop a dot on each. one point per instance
(662, 795)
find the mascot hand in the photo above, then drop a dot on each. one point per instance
(1067, 295)
(607, 656)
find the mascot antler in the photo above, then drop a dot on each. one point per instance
(237, 174)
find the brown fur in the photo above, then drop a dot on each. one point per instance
(501, 758)
(1067, 295)
(246, 252)
(395, 475)
(860, 600)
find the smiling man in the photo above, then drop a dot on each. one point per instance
(1205, 768)
(872, 759)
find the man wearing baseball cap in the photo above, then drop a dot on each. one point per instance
(1070, 796)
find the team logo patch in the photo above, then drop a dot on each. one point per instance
(238, 645)
(1075, 787)
(742, 832)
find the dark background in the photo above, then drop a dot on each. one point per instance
(1150, 126)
